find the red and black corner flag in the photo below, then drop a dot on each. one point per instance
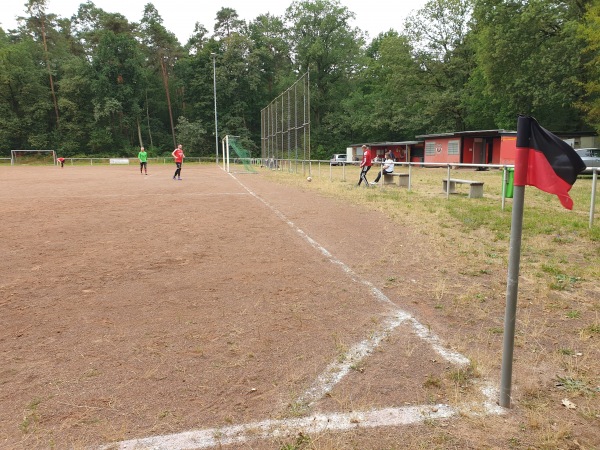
(545, 161)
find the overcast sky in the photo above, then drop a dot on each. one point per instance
(179, 16)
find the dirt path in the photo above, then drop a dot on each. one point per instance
(135, 306)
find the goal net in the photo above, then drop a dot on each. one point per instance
(32, 157)
(235, 157)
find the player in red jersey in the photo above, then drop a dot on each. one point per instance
(365, 165)
(178, 156)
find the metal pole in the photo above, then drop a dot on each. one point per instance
(214, 55)
(593, 201)
(308, 107)
(514, 258)
(223, 153)
(503, 187)
(448, 184)
(512, 289)
(227, 151)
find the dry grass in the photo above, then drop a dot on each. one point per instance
(558, 320)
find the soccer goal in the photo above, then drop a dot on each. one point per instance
(32, 157)
(235, 157)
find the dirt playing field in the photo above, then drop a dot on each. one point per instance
(135, 307)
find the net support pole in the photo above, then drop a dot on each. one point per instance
(214, 56)
(223, 154)
(227, 151)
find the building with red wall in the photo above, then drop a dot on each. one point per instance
(463, 147)
(470, 147)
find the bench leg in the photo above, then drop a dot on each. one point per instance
(452, 186)
(476, 191)
(403, 181)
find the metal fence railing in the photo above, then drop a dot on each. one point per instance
(132, 160)
(496, 186)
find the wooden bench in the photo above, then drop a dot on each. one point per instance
(388, 178)
(475, 187)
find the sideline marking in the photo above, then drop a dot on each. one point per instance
(332, 374)
(267, 429)
(422, 331)
(335, 371)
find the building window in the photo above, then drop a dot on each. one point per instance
(453, 147)
(429, 148)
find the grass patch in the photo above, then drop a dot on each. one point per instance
(559, 269)
(31, 417)
(573, 314)
(570, 384)
(432, 382)
(300, 442)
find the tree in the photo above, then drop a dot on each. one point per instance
(268, 34)
(163, 49)
(37, 21)
(530, 60)
(78, 120)
(198, 39)
(323, 43)
(24, 103)
(117, 88)
(395, 84)
(590, 32)
(438, 33)
(90, 22)
(227, 22)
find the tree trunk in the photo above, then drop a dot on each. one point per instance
(166, 83)
(148, 120)
(139, 130)
(49, 71)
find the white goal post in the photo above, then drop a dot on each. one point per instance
(32, 157)
(234, 154)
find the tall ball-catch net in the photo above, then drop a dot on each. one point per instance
(285, 127)
(235, 157)
(32, 157)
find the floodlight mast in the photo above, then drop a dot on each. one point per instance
(214, 55)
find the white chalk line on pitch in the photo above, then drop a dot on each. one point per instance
(326, 381)
(318, 423)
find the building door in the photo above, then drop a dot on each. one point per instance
(490, 150)
(478, 151)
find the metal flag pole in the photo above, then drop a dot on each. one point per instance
(514, 258)
(512, 288)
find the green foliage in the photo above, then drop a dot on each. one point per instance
(323, 42)
(191, 133)
(98, 83)
(439, 34)
(530, 58)
(24, 101)
(117, 90)
(589, 31)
